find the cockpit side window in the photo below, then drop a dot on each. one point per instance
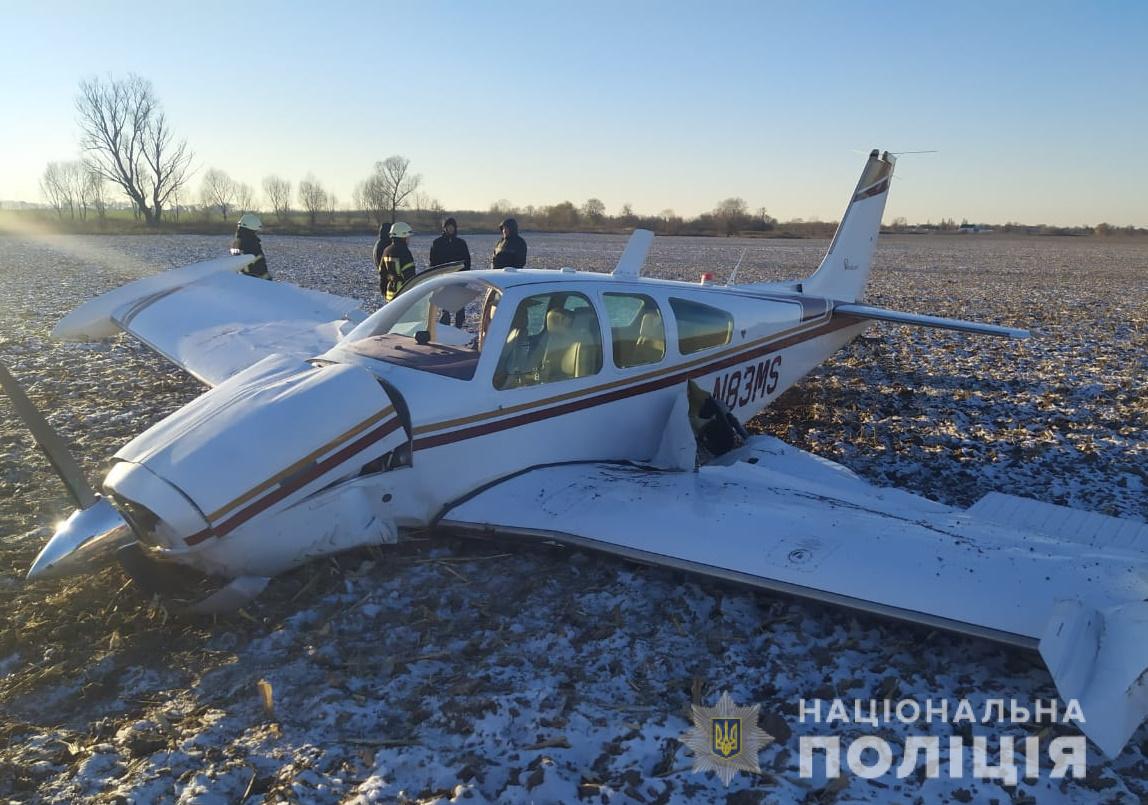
(700, 326)
(636, 329)
(552, 337)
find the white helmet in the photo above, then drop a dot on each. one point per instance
(251, 221)
(401, 230)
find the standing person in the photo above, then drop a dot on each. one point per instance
(397, 264)
(510, 251)
(380, 244)
(450, 248)
(247, 242)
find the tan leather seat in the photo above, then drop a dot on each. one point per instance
(650, 345)
(562, 346)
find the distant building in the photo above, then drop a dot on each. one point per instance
(973, 229)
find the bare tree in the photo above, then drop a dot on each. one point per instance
(502, 207)
(54, 187)
(359, 201)
(96, 193)
(376, 196)
(126, 139)
(65, 185)
(168, 163)
(594, 210)
(312, 197)
(385, 190)
(400, 181)
(244, 197)
(278, 194)
(217, 190)
(730, 214)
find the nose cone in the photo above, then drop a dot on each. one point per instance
(88, 536)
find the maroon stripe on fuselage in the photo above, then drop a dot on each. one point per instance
(671, 379)
(296, 483)
(222, 529)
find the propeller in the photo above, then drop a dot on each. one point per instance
(96, 529)
(49, 441)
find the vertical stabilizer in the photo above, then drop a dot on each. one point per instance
(634, 255)
(845, 269)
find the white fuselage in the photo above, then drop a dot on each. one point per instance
(314, 490)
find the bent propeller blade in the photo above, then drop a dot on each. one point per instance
(49, 441)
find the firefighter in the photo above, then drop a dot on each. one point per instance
(510, 251)
(450, 248)
(247, 242)
(396, 265)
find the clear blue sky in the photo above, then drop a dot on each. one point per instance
(1039, 110)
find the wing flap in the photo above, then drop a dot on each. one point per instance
(1089, 528)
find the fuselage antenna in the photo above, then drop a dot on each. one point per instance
(733, 276)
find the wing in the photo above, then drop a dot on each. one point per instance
(213, 322)
(787, 521)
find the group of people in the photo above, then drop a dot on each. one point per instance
(392, 253)
(396, 264)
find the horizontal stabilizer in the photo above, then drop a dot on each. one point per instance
(919, 320)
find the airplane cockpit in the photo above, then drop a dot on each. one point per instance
(546, 332)
(413, 331)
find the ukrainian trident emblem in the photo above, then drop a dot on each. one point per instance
(725, 738)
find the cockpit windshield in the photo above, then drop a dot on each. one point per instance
(440, 328)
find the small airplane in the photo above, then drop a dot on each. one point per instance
(596, 410)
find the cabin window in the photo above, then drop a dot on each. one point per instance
(553, 337)
(636, 329)
(700, 326)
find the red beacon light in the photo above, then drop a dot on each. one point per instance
(707, 279)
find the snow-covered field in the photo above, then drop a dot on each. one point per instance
(445, 669)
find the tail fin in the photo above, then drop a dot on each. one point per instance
(845, 269)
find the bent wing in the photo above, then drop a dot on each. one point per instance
(786, 521)
(213, 322)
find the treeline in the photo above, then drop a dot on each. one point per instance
(134, 174)
(948, 226)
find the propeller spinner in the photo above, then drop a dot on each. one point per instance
(96, 529)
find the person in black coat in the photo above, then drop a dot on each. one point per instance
(450, 248)
(510, 251)
(247, 242)
(383, 242)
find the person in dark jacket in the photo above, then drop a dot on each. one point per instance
(396, 264)
(383, 242)
(510, 251)
(247, 242)
(450, 248)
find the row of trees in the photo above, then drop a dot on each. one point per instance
(390, 187)
(74, 187)
(126, 142)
